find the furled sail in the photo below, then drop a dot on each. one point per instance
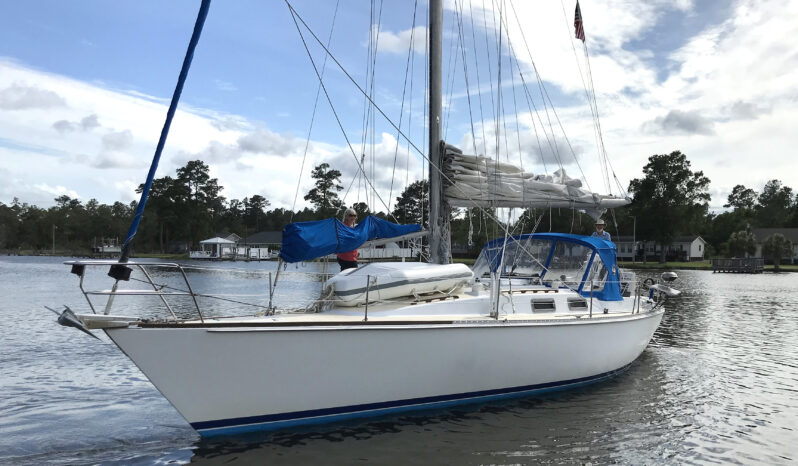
(309, 240)
(478, 181)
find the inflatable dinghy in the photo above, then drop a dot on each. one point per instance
(395, 279)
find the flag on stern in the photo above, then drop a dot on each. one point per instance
(578, 26)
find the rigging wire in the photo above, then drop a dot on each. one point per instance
(313, 115)
(479, 83)
(450, 81)
(297, 19)
(490, 64)
(545, 92)
(294, 16)
(402, 107)
(458, 14)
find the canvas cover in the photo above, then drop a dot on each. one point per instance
(310, 240)
(605, 251)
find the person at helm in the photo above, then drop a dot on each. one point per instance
(600, 231)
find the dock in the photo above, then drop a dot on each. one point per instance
(741, 265)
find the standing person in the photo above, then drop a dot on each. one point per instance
(600, 230)
(348, 260)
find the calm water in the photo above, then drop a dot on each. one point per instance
(718, 384)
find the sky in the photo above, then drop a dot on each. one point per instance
(84, 88)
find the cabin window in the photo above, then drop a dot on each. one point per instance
(577, 304)
(543, 305)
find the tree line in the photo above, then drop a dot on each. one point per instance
(669, 201)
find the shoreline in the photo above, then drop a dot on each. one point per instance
(697, 265)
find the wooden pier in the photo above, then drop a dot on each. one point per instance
(742, 265)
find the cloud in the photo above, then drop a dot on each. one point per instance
(85, 124)
(215, 152)
(63, 126)
(679, 122)
(109, 160)
(117, 140)
(90, 122)
(267, 142)
(57, 190)
(224, 85)
(230, 123)
(21, 97)
(745, 110)
(399, 43)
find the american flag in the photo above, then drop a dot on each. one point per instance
(578, 26)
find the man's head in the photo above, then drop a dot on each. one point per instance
(599, 225)
(350, 216)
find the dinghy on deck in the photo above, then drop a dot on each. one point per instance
(389, 280)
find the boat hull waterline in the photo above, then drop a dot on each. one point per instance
(227, 380)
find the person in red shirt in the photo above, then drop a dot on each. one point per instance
(348, 260)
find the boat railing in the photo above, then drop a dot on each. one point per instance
(160, 290)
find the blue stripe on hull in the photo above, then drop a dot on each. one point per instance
(328, 415)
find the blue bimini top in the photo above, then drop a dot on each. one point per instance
(309, 240)
(491, 257)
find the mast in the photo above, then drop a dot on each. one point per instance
(438, 211)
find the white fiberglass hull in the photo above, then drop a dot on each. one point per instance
(239, 378)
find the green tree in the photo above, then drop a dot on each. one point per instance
(669, 200)
(775, 247)
(204, 205)
(741, 198)
(255, 211)
(742, 243)
(412, 206)
(324, 195)
(362, 209)
(774, 205)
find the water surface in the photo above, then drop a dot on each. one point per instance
(717, 384)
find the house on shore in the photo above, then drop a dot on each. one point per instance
(762, 234)
(262, 245)
(684, 249)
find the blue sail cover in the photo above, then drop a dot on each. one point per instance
(309, 240)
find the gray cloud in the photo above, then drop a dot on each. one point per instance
(117, 140)
(261, 141)
(745, 111)
(230, 123)
(218, 152)
(113, 160)
(679, 122)
(64, 126)
(266, 142)
(90, 122)
(85, 124)
(19, 97)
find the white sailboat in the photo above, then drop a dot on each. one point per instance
(537, 312)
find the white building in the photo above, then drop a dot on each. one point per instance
(684, 249)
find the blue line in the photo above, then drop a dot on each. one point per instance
(327, 415)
